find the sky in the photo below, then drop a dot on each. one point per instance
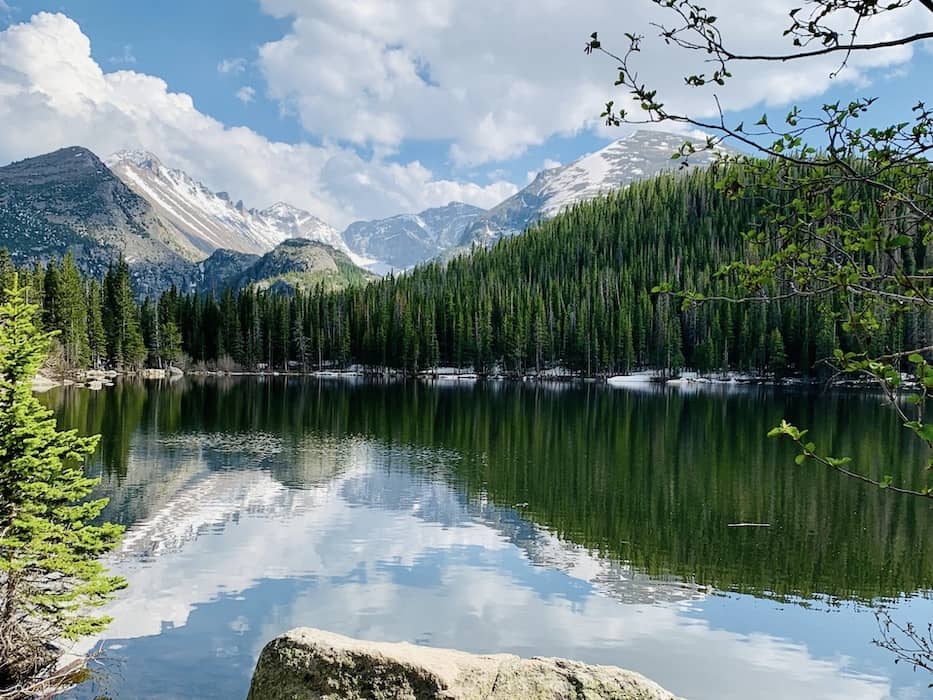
(361, 109)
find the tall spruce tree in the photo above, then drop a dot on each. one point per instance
(72, 309)
(125, 346)
(50, 573)
(97, 338)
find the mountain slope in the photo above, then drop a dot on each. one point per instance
(407, 239)
(70, 200)
(208, 220)
(292, 222)
(299, 262)
(634, 158)
(222, 268)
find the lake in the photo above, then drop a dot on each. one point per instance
(580, 520)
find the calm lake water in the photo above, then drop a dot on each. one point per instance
(580, 521)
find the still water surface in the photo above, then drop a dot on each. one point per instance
(579, 521)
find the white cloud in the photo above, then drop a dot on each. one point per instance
(127, 58)
(231, 66)
(246, 94)
(495, 78)
(50, 84)
(489, 78)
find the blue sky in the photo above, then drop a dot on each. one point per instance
(386, 105)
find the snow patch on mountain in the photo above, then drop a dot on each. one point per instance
(209, 220)
(402, 241)
(636, 157)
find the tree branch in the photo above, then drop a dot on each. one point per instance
(782, 58)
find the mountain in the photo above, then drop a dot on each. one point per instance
(208, 220)
(631, 159)
(221, 267)
(70, 200)
(292, 222)
(299, 262)
(407, 239)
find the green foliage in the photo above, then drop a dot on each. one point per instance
(125, 346)
(848, 225)
(584, 290)
(49, 568)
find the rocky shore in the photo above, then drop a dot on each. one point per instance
(95, 379)
(312, 664)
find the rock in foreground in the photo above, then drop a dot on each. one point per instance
(310, 664)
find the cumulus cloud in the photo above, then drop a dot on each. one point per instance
(231, 66)
(494, 78)
(53, 88)
(246, 94)
(126, 58)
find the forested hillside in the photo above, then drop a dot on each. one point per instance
(574, 292)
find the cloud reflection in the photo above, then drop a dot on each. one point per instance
(380, 548)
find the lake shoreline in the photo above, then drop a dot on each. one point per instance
(639, 378)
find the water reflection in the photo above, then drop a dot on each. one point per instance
(494, 519)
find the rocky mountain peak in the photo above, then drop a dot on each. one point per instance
(637, 156)
(139, 158)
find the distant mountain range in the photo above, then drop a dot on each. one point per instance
(636, 157)
(208, 220)
(407, 239)
(173, 229)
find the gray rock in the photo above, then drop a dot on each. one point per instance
(310, 664)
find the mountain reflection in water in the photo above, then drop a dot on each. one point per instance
(586, 522)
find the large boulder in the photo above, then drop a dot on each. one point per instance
(309, 664)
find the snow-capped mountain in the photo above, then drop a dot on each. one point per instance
(69, 200)
(210, 220)
(407, 239)
(296, 223)
(636, 157)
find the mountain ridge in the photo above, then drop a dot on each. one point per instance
(210, 220)
(635, 157)
(403, 240)
(69, 200)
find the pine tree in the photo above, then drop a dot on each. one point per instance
(50, 574)
(97, 338)
(777, 355)
(72, 307)
(125, 346)
(52, 314)
(7, 271)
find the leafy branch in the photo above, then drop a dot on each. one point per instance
(848, 225)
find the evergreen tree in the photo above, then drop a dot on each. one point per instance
(72, 309)
(125, 346)
(49, 569)
(97, 338)
(777, 357)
